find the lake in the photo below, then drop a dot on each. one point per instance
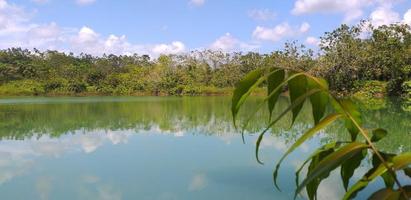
(161, 148)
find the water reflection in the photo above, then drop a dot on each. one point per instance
(156, 148)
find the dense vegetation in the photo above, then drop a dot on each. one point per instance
(349, 57)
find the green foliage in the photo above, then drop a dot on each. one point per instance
(381, 56)
(346, 155)
(406, 86)
(368, 61)
(196, 73)
(21, 87)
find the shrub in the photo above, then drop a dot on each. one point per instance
(54, 84)
(77, 87)
(22, 87)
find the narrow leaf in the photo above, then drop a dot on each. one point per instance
(297, 102)
(348, 108)
(388, 179)
(318, 101)
(312, 186)
(244, 89)
(349, 166)
(324, 148)
(324, 123)
(401, 161)
(268, 97)
(332, 161)
(297, 87)
(274, 80)
(407, 171)
(367, 178)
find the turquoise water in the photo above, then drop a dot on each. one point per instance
(158, 148)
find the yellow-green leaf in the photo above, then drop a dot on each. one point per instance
(331, 162)
(324, 123)
(274, 80)
(365, 180)
(318, 101)
(324, 148)
(296, 103)
(401, 161)
(348, 108)
(243, 90)
(297, 87)
(312, 186)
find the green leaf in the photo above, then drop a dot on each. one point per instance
(378, 134)
(348, 108)
(388, 179)
(297, 102)
(297, 87)
(268, 97)
(244, 89)
(386, 156)
(324, 148)
(274, 80)
(312, 187)
(331, 162)
(349, 166)
(385, 194)
(318, 101)
(324, 123)
(365, 180)
(407, 171)
(401, 161)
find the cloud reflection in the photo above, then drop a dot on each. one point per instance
(198, 182)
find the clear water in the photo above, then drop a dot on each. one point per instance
(159, 148)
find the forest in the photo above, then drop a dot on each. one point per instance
(353, 59)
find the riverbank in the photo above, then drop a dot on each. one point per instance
(372, 93)
(34, 88)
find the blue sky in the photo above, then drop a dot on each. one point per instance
(175, 26)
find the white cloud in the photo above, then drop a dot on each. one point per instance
(384, 15)
(78, 2)
(40, 1)
(279, 32)
(197, 2)
(407, 17)
(228, 43)
(18, 30)
(312, 41)
(85, 2)
(305, 27)
(261, 14)
(225, 43)
(352, 9)
(173, 48)
(10, 18)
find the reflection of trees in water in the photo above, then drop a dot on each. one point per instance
(390, 117)
(194, 115)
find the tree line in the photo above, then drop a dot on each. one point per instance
(348, 57)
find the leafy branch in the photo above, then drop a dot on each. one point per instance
(346, 155)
